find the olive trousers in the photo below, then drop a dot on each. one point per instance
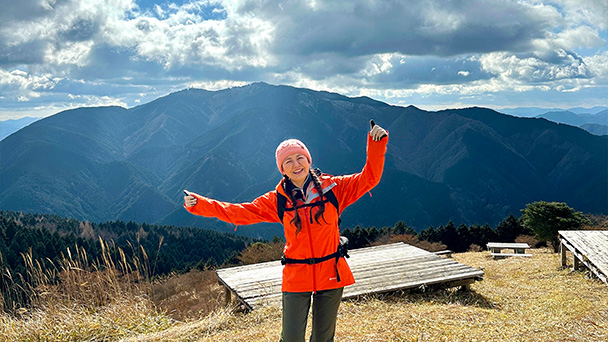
(325, 306)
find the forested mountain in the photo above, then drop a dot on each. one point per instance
(168, 248)
(469, 165)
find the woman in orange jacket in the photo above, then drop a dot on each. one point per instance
(313, 265)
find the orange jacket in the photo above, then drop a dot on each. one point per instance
(315, 240)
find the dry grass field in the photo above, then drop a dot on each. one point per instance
(520, 299)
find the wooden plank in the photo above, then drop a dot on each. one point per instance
(405, 270)
(387, 286)
(446, 252)
(505, 255)
(507, 245)
(416, 277)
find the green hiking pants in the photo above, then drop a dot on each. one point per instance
(325, 306)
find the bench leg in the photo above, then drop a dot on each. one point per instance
(465, 287)
(227, 296)
(563, 252)
(576, 264)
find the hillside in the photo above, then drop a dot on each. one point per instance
(518, 300)
(470, 165)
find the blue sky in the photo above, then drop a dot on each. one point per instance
(434, 54)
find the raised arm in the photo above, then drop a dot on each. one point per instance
(262, 209)
(351, 187)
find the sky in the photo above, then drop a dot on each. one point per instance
(433, 54)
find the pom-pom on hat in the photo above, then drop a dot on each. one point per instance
(289, 147)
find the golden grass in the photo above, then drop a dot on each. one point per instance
(121, 317)
(520, 299)
(189, 296)
(78, 299)
(531, 299)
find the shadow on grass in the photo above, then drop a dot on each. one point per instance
(432, 294)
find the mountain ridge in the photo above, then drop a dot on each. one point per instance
(593, 123)
(470, 165)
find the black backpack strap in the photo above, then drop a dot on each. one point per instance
(333, 200)
(281, 204)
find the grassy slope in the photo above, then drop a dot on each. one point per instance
(529, 299)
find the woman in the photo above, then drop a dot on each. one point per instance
(313, 266)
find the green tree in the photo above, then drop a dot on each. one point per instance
(481, 235)
(429, 234)
(509, 229)
(449, 237)
(464, 238)
(545, 219)
(402, 228)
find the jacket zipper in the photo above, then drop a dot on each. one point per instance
(312, 250)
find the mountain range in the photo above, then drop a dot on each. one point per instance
(530, 112)
(8, 127)
(471, 165)
(593, 123)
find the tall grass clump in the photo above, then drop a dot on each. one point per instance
(75, 298)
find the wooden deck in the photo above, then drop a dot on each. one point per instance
(376, 270)
(588, 247)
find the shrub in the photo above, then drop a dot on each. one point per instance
(261, 252)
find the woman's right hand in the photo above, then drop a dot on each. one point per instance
(189, 200)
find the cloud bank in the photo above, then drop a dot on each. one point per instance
(57, 54)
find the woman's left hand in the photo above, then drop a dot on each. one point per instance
(378, 133)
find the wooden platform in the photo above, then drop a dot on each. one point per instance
(589, 247)
(376, 270)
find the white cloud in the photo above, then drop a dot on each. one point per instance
(585, 12)
(216, 85)
(381, 63)
(18, 83)
(534, 69)
(598, 66)
(582, 36)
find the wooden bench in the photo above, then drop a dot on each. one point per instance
(519, 249)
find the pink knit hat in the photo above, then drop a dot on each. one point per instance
(289, 147)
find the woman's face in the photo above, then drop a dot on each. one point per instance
(296, 166)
